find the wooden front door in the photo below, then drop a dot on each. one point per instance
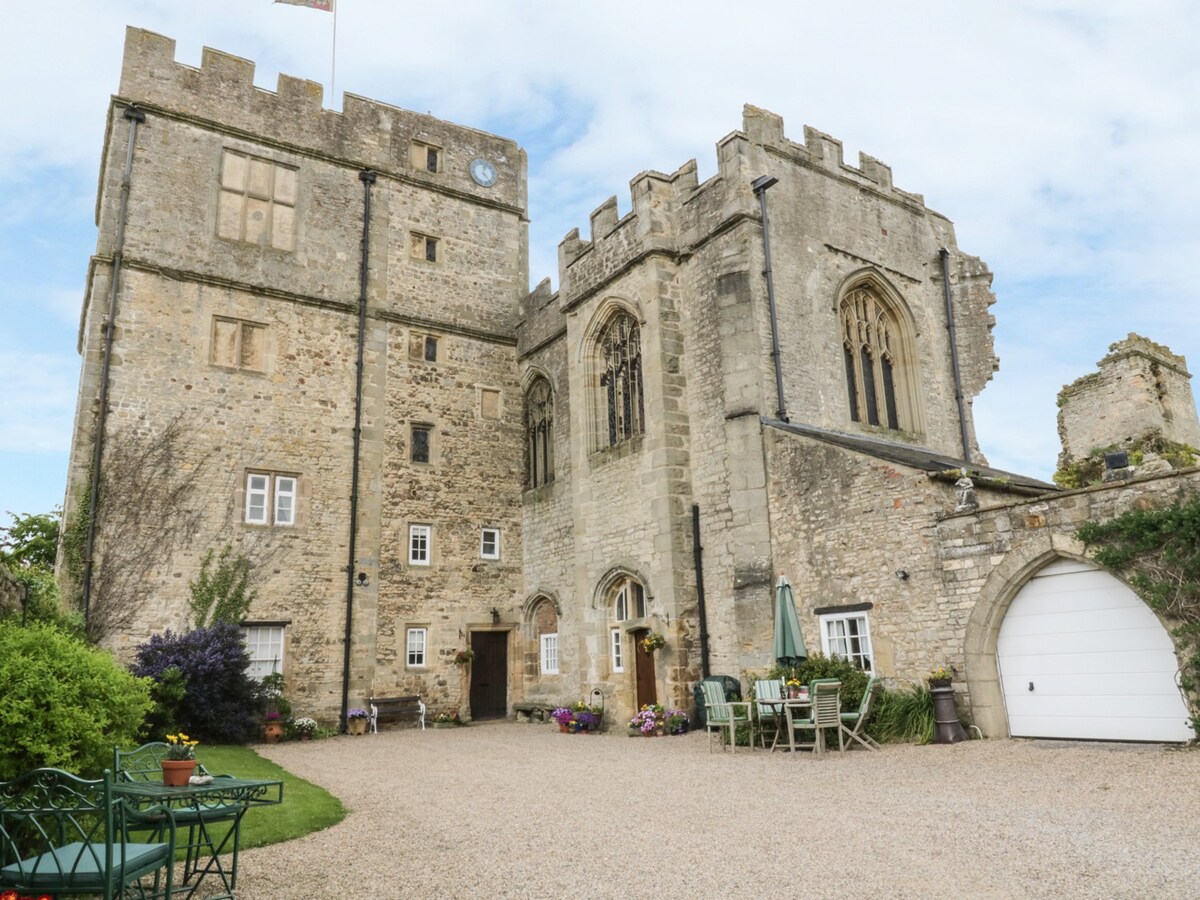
(647, 693)
(489, 675)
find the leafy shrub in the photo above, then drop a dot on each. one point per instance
(62, 703)
(904, 715)
(853, 679)
(222, 594)
(222, 702)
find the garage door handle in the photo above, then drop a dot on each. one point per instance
(1031, 686)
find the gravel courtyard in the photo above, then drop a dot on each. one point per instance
(508, 810)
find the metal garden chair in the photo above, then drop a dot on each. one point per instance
(61, 835)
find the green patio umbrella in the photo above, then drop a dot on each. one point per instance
(789, 642)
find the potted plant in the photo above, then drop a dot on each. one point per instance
(356, 721)
(447, 719)
(272, 726)
(675, 721)
(795, 689)
(305, 727)
(563, 715)
(653, 641)
(648, 721)
(940, 677)
(464, 657)
(180, 761)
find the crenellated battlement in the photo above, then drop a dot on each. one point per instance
(671, 211)
(365, 133)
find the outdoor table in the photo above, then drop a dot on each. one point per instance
(787, 705)
(222, 792)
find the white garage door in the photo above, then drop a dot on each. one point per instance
(1081, 656)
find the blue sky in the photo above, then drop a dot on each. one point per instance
(1060, 137)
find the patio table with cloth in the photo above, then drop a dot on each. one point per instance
(222, 791)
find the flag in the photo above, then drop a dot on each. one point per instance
(324, 5)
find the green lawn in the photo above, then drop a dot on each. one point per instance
(305, 807)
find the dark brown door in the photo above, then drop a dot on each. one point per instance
(489, 675)
(647, 694)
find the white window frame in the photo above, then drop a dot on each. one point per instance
(549, 653)
(271, 499)
(264, 646)
(416, 645)
(837, 640)
(618, 651)
(420, 544)
(484, 552)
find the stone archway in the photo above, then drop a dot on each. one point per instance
(983, 628)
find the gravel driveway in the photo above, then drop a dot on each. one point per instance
(507, 810)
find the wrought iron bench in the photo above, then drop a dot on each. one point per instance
(396, 709)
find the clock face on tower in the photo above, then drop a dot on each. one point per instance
(483, 172)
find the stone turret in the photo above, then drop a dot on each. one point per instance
(1141, 389)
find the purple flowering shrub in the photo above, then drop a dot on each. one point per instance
(222, 702)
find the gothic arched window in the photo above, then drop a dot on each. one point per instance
(619, 352)
(878, 371)
(539, 434)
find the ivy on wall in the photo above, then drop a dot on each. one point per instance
(1158, 550)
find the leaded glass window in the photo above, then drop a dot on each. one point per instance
(620, 353)
(874, 355)
(539, 433)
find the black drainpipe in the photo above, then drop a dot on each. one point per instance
(135, 116)
(367, 177)
(958, 393)
(760, 186)
(697, 557)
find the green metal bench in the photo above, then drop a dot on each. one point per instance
(60, 834)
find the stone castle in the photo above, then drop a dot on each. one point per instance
(770, 371)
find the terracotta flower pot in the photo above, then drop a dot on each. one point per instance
(272, 732)
(176, 772)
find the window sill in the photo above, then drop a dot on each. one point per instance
(627, 447)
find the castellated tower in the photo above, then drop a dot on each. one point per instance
(658, 353)
(258, 228)
(1142, 389)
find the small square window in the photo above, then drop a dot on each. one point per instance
(423, 246)
(426, 157)
(420, 443)
(419, 537)
(422, 347)
(489, 543)
(489, 403)
(237, 344)
(416, 644)
(270, 499)
(549, 654)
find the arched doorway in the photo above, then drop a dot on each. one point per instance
(1081, 656)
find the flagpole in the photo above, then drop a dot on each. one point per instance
(333, 62)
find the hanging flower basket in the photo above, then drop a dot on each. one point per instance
(464, 657)
(653, 641)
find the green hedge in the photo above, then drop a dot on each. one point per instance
(64, 704)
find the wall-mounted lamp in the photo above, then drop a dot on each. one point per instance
(362, 580)
(495, 616)
(902, 575)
